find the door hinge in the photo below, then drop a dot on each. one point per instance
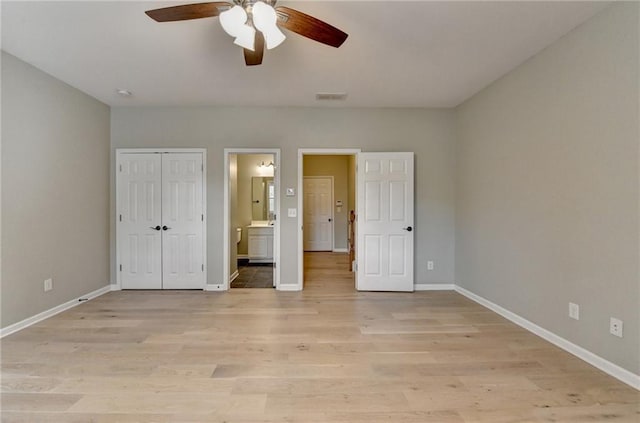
(275, 264)
(202, 217)
(120, 218)
(202, 167)
(355, 266)
(121, 268)
(120, 168)
(203, 267)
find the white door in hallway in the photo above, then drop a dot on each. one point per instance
(161, 221)
(385, 222)
(318, 216)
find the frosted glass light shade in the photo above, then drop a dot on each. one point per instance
(264, 19)
(246, 38)
(234, 23)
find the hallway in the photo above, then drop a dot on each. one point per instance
(325, 271)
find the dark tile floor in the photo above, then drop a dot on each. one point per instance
(253, 276)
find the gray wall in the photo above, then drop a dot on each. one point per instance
(55, 191)
(429, 133)
(547, 187)
(338, 167)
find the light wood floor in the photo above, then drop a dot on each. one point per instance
(327, 354)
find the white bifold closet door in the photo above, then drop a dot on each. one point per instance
(160, 201)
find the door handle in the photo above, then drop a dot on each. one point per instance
(165, 227)
(408, 229)
(329, 219)
(157, 228)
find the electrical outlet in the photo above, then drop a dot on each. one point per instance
(48, 285)
(430, 265)
(615, 327)
(574, 311)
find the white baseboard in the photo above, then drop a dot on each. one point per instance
(52, 311)
(289, 287)
(233, 276)
(242, 256)
(434, 287)
(209, 287)
(606, 366)
(340, 250)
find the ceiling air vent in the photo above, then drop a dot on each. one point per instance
(331, 96)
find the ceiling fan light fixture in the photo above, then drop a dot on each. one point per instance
(246, 38)
(264, 19)
(234, 23)
(254, 24)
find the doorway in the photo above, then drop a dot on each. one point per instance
(327, 185)
(383, 224)
(160, 218)
(251, 225)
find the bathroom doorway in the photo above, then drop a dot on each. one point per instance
(251, 218)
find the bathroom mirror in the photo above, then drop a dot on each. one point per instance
(262, 198)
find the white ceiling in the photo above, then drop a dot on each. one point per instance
(398, 54)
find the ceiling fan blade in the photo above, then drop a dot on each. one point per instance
(253, 58)
(310, 27)
(188, 11)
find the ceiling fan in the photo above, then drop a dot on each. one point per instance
(254, 23)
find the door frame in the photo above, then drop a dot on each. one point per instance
(333, 238)
(224, 285)
(119, 153)
(318, 152)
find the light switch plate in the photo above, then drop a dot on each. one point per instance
(292, 212)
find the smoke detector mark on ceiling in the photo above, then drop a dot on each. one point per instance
(123, 93)
(331, 96)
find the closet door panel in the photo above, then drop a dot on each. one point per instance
(182, 211)
(139, 216)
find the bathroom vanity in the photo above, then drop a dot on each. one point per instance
(260, 240)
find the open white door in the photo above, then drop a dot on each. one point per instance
(140, 220)
(385, 222)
